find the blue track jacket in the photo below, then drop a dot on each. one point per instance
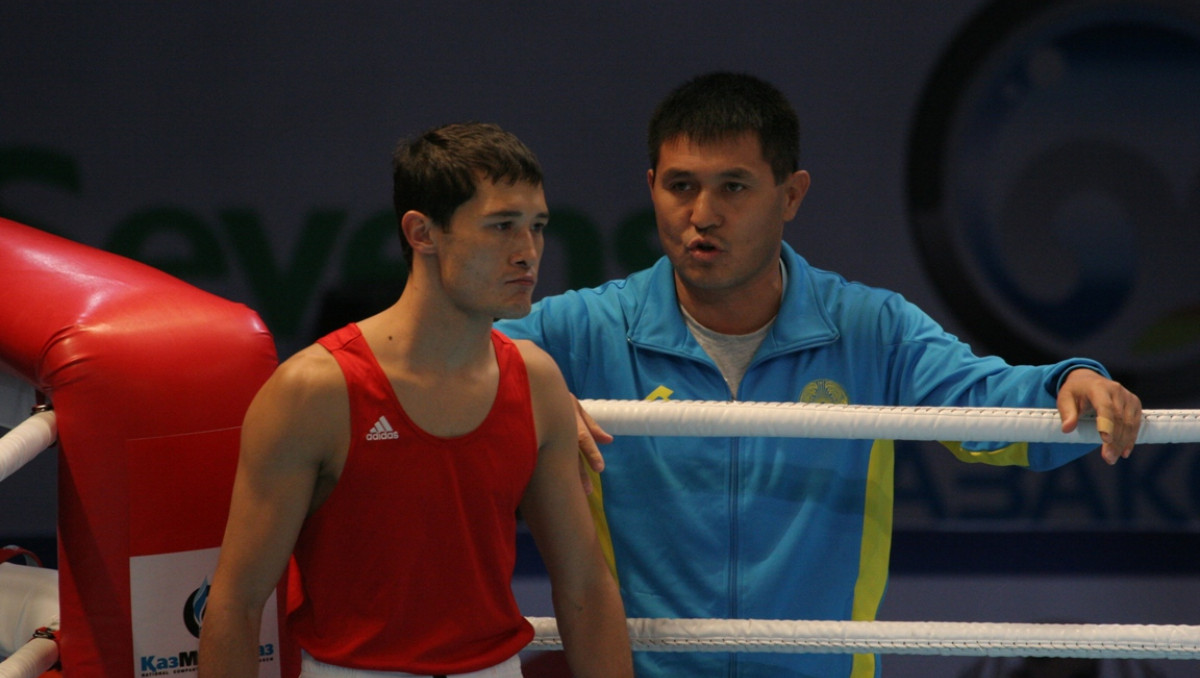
(768, 528)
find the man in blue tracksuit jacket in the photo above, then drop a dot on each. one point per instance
(768, 528)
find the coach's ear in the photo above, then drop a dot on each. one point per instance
(418, 230)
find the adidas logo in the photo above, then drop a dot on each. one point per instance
(382, 430)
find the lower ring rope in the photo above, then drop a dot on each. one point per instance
(822, 420)
(1124, 641)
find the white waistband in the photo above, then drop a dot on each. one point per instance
(311, 668)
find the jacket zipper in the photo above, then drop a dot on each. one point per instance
(735, 478)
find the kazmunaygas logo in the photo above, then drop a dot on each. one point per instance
(193, 609)
(187, 661)
(169, 596)
(1054, 186)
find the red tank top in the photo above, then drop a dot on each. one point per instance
(407, 566)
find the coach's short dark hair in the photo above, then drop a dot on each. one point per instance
(719, 106)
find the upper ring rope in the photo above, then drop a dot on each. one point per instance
(821, 420)
(26, 440)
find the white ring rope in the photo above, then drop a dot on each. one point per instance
(27, 440)
(811, 420)
(1123, 641)
(821, 420)
(696, 418)
(28, 596)
(28, 602)
(31, 660)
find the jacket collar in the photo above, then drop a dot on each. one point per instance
(803, 321)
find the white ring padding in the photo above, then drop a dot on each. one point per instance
(27, 440)
(876, 637)
(28, 601)
(32, 660)
(871, 422)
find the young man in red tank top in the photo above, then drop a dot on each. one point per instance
(388, 460)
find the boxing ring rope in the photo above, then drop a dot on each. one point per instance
(686, 418)
(28, 604)
(871, 422)
(28, 595)
(1123, 641)
(33, 659)
(819, 420)
(27, 440)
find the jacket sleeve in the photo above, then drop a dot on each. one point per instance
(557, 324)
(929, 366)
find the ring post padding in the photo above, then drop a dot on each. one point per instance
(149, 378)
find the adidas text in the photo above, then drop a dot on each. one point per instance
(382, 430)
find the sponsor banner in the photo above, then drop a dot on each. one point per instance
(1157, 489)
(168, 594)
(1053, 186)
